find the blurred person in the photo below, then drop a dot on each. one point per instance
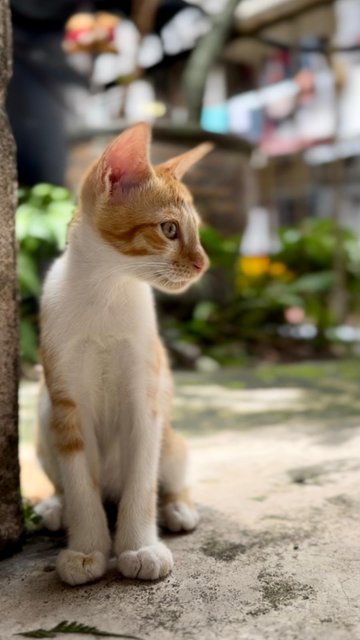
(37, 93)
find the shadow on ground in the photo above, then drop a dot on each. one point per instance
(320, 397)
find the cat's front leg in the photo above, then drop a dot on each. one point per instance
(89, 542)
(139, 551)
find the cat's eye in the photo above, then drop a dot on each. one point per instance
(170, 230)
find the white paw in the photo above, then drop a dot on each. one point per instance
(148, 563)
(51, 512)
(75, 567)
(179, 516)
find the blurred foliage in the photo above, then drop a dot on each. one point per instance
(31, 519)
(241, 303)
(235, 309)
(42, 217)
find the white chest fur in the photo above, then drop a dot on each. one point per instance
(99, 321)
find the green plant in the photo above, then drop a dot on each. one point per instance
(31, 519)
(42, 218)
(232, 305)
(243, 302)
(310, 253)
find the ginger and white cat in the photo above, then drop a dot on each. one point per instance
(105, 405)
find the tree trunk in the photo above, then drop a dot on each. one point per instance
(11, 523)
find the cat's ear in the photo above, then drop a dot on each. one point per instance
(181, 164)
(125, 163)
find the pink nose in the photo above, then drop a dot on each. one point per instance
(198, 265)
(199, 262)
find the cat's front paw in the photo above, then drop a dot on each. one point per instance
(179, 516)
(75, 567)
(147, 563)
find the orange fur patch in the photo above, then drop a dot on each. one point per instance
(126, 200)
(181, 496)
(159, 367)
(65, 421)
(132, 226)
(173, 444)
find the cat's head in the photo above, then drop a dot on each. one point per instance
(145, 212)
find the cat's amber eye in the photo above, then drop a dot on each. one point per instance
(170, 230)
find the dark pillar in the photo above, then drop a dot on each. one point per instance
(11, 522)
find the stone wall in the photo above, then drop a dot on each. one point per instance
(11, 524)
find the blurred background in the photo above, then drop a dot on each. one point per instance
(276, 85)
(265, 348)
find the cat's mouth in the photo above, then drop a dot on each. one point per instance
(178, 285)
(171, 283)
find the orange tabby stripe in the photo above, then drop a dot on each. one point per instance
(131, 226)
(65, 421)
(66, 427)
(127, 241)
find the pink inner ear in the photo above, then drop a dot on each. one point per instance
(125, 162)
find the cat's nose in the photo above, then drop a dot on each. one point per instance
(200, 262)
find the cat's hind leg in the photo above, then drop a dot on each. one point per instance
(177, 512)
(50, 511)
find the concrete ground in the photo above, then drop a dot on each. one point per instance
(277, 554)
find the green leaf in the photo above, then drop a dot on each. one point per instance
(60, 193)
(214, 242)
(22, 193)
(28, 276)
(40, 226)
(23, 217)
(203, 310)
(31, 518)
(58, 218)
(314, 282)
(75, 628)
(42, 190)
(290, 236)
(28, 340)
(38, 633)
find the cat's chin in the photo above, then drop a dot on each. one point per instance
(174, 287)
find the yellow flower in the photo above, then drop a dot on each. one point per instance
(253, 266)
(277, 269)
(281, 271)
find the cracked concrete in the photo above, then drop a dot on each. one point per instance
(276, 470)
